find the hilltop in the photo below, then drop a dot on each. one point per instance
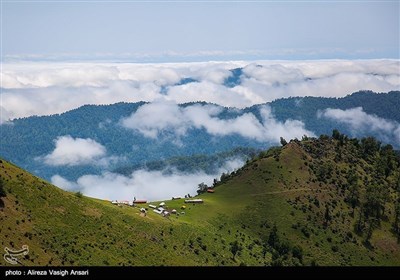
(318, 201)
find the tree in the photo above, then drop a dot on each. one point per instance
(224, 177)
(336, 134)
(372, 224)
(355, 142)
(369, 148)
(327, 216)
(387, 163)
(376, 197)
(396, 223)
(324, 137)
(283, 142)
(235, 248)
(202, 188)
(354, 189)
(297, 252)
(352, 177)
(360, 222)
(79, 194)
(324, 171)
(340, 137)
(273, 239)
(264, 249)
(397, 187)
(215, 182)
(2, 191)
(354, 196)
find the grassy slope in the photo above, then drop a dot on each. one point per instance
(63, 229)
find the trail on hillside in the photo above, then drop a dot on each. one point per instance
(284, 191)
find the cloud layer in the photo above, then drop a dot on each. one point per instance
(361, 122)
(48, 88)
(169, 117)
(143, 184)
(76, 151)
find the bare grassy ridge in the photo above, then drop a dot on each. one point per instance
(275, 207)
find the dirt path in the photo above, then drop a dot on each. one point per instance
(284, 191)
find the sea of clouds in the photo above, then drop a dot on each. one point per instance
(34, 88)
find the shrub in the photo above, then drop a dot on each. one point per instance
(297, 252)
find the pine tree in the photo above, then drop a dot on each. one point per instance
(2, 191)
(283, 141)
(235, 248)
(273, 238)
(327, 216)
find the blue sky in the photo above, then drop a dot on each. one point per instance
(190, 31)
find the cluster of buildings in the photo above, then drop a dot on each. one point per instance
(161, 209)
(129, 203)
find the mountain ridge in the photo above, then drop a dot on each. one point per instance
(26, 141)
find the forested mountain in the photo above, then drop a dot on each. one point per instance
(383, 105)
(27, 141)
(319, 201)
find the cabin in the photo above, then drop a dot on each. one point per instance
(142, 201)
(152, 206)
(157, 211)
(194, 201)
(210, 191)
(176, 197)
(162, 204)
(165, 214)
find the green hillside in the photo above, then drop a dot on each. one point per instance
(325, 201)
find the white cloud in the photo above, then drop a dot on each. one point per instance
(76, 151)
(319, 78)
(4, 116)
(214, 93)
(51, 100)
(152, 119)
(64, 183)
(361, 122)
(274, 129)
(143, 184)
(273, 74)
(178, 120)
(48, 88)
